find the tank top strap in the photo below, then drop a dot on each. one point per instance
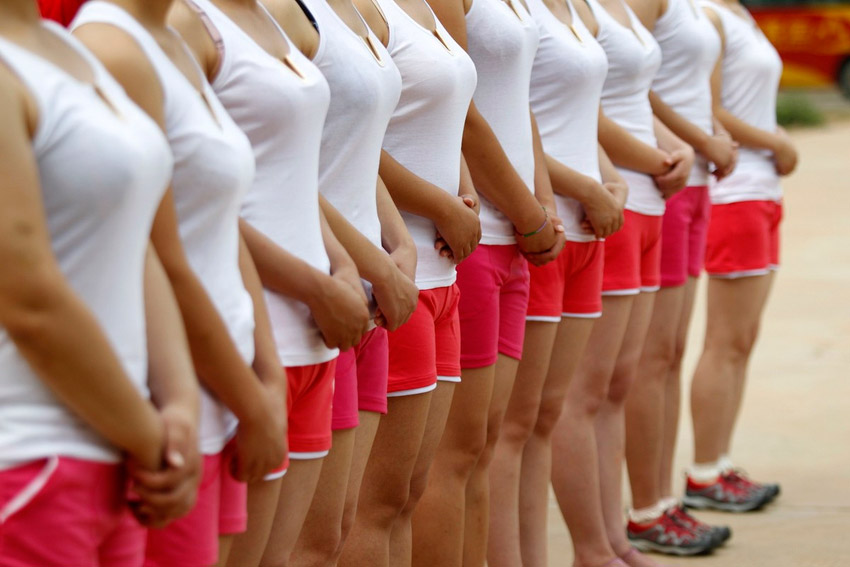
(211, 28)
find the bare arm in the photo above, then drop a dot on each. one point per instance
(50, 326)
(395, 237)
(628, 152)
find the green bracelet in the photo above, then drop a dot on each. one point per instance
(539, 230)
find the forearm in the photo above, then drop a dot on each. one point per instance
(745, 134)
(369, 260)
(394, 233)
(667, 139)
(410, 192)
(494, 176)
(628, 152)
(338, 256)
(267, 365)
(607, 169)
(280, 271)
(678, 125)
(543, 184)
(570, 183)
(171, 376)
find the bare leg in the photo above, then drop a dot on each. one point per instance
(401, 539)
(572, 338)
(296, 493)
(734, 312)
(385, 488)
(322, 532)
(575, 469)
(610, 428)
(224, 544)
(646, 404)
(247, 548)
(504, 542)
(364, 438)
(438, 523)
(673, 392)
(478, 487)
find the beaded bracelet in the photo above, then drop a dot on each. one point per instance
(539, 230)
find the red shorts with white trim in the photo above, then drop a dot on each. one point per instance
(64, 511)
(570, 286)
(743, 239)
(633, 256)
(361, 380)
(683, 235)
(221, 509)
(493, 284)
(427, 347)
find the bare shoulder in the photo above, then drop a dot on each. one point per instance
(127, 63)
(194, 32)
(291, 17)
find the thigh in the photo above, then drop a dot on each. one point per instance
(479, 280)
(233, 507)
(372, 372)
(570, 343)
(310, 412)
(734, 308)
(632, 346)
(413, 350)
(513, 306)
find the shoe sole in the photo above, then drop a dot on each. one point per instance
(644, 545)
(703, 503)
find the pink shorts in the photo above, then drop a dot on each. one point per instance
(571, 286)
(427, 347)
(493, 284)
(361, 380)
(633, 256)
(684, 230)
(192, 541)
(64, 511)
(743, 239)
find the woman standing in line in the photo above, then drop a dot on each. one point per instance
(424, 173)
(655, 165)
(78, 282)
(241, 420)
(365, 86)
(314, 295)
(681, 98)
(566, 87)
(501, 146)
(741, 257)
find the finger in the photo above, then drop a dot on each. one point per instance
(157, 481)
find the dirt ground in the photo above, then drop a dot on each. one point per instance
(795, 426)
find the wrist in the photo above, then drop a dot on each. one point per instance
(701, 143)
(660, 165)
(532, 220)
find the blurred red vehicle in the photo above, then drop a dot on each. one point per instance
(813, 38)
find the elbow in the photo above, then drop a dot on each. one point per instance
(33, 308)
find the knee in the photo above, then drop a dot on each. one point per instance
(322, 546)
(548, 417)
(621, 385)
(585, 403)
(734, 346)
(518, 427)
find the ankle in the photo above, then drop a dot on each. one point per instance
(648, 514)
(705, 473)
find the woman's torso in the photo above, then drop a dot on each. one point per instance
(281, 107)
(566, 88)
(633, 60)
(690, 47)
(103, 166)
(424, 134)
(213, 167)
(502, 39)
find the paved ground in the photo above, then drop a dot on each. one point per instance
(795, 427)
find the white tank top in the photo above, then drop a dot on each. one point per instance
(690, 47)
(282, 114)
(633, 59)
(213, 167)
(425, 131)
(365, 88)
(566, 87)
(103, 169)
(751, 71)
(501, 40)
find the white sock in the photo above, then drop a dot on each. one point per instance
(726, 464)
(705, 473)
(669, 502)
(648, 514)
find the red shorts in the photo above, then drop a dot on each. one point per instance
(192, 541)
(571, 286)
(493, 284)
(743, 239)
(361, 380)
(633, 256)
(63, 511)
(427, 347)
(684, 230)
